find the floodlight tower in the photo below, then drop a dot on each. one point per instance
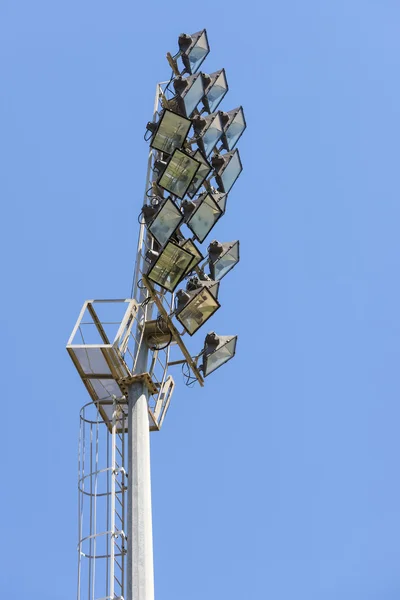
(124, 348)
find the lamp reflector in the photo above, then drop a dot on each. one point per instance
(165, 222)
(170, 266)
(194, 49)
(189, 92)
(199, 307)
(178, 173)
(171, 132)
(227, 168)
(215, 89)
(234, 128)
(222, 258)
(217, 351)
(208, 132)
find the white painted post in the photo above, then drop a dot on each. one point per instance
(140, 573)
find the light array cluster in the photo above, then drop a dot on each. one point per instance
(196, 163)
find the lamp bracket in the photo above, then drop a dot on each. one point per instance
(164, 101)
(175, 333)
(173, 64)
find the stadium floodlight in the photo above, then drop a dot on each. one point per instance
(162, 219)
(215, 88)
(201, 175)
(123, 356)
(218, 349)
(227, 169)
(178, 173)
(222, 258)
(234, 124)
(191, 247)
(189, 91)
(195, 307)
(195, 283)
(194, 49)
(168, 266)
(170, 132)
(208, 131)
(201, 215)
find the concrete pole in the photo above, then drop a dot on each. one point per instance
(140, 574)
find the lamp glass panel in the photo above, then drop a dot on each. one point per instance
(197, 255)
(225, 262)
(212, 135)
(171, 133)
(235, 130)
(217, 91)
(168, 218)
(201, 174)
(204, 218)
(198, 52)
(231, 172)
(220, 356)
(170, 266)
(193, 95)
(197, 311)
(179, 173)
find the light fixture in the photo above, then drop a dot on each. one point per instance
(168, 266)
(234, 124)
(195, 283)
(162, 219)
(227, 169)
(218, 349)
(194, 49)
(215, 88)
(222, 258)
(201, 215)
(208, 131)
(170, 132)
(202, 173)
(195, 307)
(178, 173)
(191, 247)
(188, 93)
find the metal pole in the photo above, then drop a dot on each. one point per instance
(140, 570)
(140, 574)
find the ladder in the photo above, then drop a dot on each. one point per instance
(118, 540)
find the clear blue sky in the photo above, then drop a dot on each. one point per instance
(280, 479)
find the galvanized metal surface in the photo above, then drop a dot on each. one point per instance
(102, 493)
